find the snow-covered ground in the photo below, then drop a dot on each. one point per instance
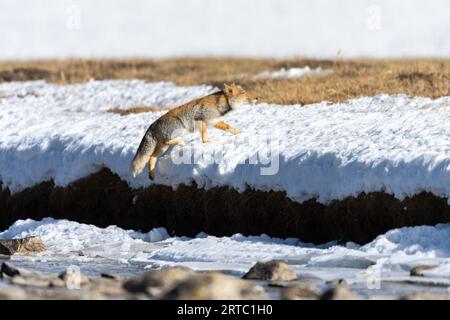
(386, 259)
(396, 144)
(281, 28)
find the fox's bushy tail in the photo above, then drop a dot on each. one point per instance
(143, 153)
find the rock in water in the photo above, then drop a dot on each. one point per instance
(417, 271)
(9, 270)
(215, 286)
(274, 270)
(73, 278)
(337, 282)
(22, 246)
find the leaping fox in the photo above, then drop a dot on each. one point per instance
(205, 111)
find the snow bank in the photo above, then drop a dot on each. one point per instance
(422, 240)
(396, 144)
(405, 248)
(292, 73)
(391, 254)
(162, 28)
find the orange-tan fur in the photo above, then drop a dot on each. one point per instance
(200, 113)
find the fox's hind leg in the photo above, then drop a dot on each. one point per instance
(203, 132)
(226, 127)
(152, 161)
(174, 142)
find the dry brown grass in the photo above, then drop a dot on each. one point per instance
(350, 79)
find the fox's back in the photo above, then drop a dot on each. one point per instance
(185, 116)
(200, 108)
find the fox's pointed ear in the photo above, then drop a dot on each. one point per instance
(227, 88)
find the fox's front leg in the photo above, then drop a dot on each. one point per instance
(203, 126)
(226, 127)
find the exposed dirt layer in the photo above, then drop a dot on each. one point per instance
(349, 79)
(104, 199)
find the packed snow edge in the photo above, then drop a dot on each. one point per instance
(394, 144)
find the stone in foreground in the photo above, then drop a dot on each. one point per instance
(215, 286)
(426, 296)
(73, 279)
(156, 283)
(12, 293)
(300, 291)
(23, 246)
(273, 270)
(339, 293)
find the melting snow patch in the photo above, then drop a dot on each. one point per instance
(395, 252)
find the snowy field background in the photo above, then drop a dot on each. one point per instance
(387, 259)
(394, 144)
(163, 28)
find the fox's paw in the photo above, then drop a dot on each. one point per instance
(206, 140)
(151, 175)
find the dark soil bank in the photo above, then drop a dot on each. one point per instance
(104, 199)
